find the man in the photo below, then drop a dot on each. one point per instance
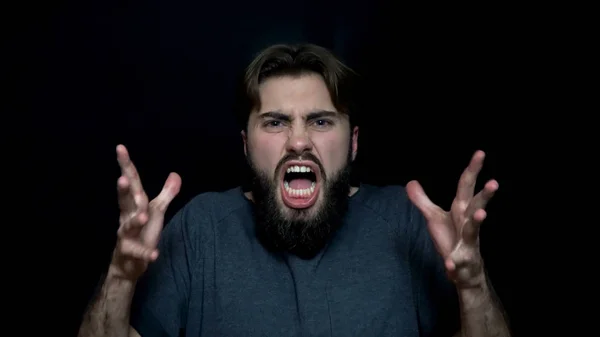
(302, 253)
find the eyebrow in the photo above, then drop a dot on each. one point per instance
(310, 116)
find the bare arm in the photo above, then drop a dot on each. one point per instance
(108, 314)
(140, 227)
(481, 313)
(456, 237)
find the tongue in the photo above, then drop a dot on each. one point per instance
(300, 184)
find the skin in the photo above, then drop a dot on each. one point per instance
(289, 122)
(456, 236)
(270, 138)
(141, 223)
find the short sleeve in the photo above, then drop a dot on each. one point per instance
(159, 303)
(436, 296)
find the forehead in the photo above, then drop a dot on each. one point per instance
(295, 94)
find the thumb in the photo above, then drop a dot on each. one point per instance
(157, 208)
(419, 198)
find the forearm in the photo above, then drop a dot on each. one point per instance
(108, 314)
(481, 313)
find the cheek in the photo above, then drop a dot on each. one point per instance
(266, 153)
(334, 153)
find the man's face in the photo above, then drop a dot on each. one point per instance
(299, 148)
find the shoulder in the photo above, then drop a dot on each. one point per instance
(389, 202)
(382, 197)
(194, 222)
(215, 205)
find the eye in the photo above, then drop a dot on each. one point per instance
(272, 124)
(323, 123)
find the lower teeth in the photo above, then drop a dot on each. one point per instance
(299, 192)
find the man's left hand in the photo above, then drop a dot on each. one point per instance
(456, 233)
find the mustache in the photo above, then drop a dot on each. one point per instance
(307, 156)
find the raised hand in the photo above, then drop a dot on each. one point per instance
(141, 222)
(456, 233)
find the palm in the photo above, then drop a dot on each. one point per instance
(456, 232)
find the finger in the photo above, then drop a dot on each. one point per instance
(157, 208)
(466, 183)
(417, 195)
(132, 216)
(133, 225)
(132, 197)
(129, 170)
(470, 231)
(137, 250)
(125, 197)
(481, 200)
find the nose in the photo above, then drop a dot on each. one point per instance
(298, 141)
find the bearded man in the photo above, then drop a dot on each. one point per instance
(302, 252)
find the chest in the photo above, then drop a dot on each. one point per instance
(355, 288)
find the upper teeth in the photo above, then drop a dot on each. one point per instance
(298, 169)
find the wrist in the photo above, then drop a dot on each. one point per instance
(474, 296)
(115, 275)
(470, 275)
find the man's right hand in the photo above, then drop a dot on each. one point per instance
(141, 222)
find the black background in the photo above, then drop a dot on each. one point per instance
(440, 81)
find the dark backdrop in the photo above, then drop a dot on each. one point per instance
(158, 76)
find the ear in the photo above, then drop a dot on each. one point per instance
(354, 142)
(245, 139)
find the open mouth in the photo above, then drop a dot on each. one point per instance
(300, 185)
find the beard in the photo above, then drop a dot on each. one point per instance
(302, 232)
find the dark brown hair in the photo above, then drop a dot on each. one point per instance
(296, 60)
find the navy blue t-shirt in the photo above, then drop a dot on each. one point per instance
(380, 275)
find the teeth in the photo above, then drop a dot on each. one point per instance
(299, 193)
(298, 168)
